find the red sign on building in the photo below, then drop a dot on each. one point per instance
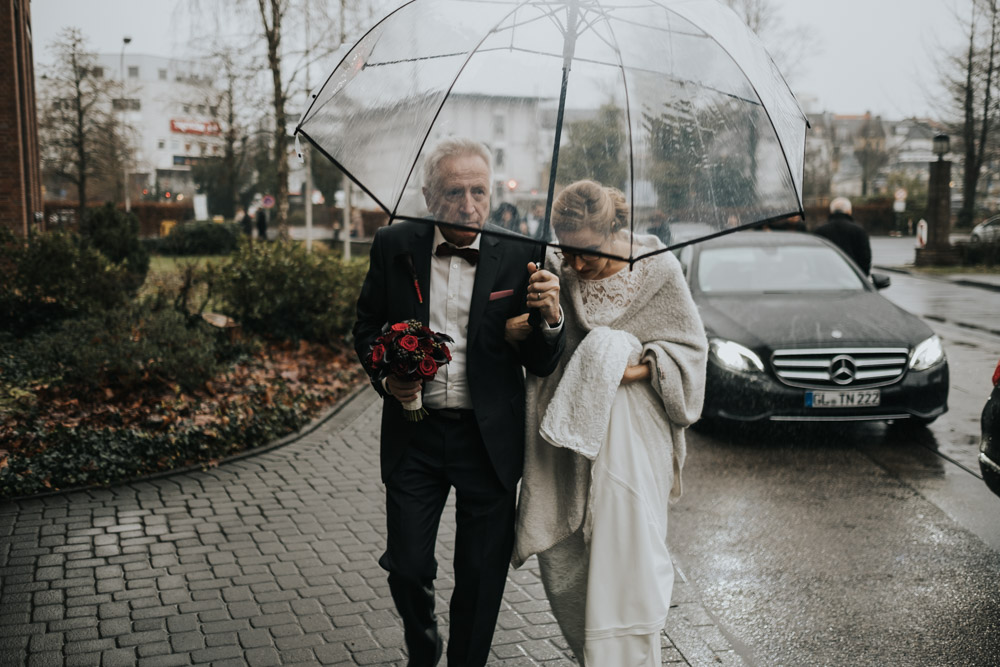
(209, 127)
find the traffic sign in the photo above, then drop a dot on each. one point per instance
(267, 201)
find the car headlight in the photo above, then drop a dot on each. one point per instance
(734, 357)
(927, 354)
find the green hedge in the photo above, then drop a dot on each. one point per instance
(115, 234)
(125, 347)
(74, 457)
(53, 277)
(197, 238)
(280, 290)
(979, 254)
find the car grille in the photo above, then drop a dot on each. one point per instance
(840, 367)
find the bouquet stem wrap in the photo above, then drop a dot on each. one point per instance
(414, 410)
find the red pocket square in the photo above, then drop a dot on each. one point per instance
(501, 294)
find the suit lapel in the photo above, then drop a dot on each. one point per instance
(419, 250)
(490, 256)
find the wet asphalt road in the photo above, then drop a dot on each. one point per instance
(861, 544)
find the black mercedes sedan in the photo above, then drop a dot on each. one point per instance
(798, 333)
(989, 446)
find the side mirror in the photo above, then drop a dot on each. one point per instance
(880, 280)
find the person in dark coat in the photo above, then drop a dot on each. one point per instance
(246, 223)
(846, 234)
(467, 285)
(261, 224)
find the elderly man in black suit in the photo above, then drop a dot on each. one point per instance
(465, 284)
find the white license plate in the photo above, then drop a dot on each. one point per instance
(843, 399)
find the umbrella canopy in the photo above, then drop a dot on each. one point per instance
(674, 102)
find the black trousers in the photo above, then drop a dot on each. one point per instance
(446, 453)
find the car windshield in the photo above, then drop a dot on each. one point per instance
(791, 268)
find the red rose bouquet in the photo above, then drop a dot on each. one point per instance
(409, 351)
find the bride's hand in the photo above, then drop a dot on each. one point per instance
(636, 374)
(517, 329)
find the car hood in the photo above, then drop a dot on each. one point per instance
(807, 320)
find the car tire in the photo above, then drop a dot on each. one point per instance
(974, 238)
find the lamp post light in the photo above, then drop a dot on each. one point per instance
(121, 65)
(938, 250)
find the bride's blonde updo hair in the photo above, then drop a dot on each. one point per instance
(590, 205)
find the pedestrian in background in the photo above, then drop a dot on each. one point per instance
(846, 234)
(261, 224)
(246, 223)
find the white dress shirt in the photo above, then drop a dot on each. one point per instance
(450, 297)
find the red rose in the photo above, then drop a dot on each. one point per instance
(378, 352)
(409, 343)
(447, 352)
(427, 368)
(400, 326)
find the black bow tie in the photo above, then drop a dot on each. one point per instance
(470, 255)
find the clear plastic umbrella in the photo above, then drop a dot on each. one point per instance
(674, 102)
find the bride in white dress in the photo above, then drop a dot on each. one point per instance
(605, 433)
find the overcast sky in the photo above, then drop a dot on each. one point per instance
(859, 55)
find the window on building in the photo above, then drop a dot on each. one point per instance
(201, 109)
(498, 158)
(499, 126)
(163, 74)
(133, 72)
(187, 108)
(127, 104)
(97, 72)
(213, 111)
(161, 144)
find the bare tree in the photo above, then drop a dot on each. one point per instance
(76, 121)
(970, 77)
(280, 23)
(870, 150)
(787, 45)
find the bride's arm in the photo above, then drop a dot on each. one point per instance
(637, 373)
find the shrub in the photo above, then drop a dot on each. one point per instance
(64, 457)
(54, 277)
(974, 254)
(116, 235)
(125, 347)
(200, 238)
(280, 290)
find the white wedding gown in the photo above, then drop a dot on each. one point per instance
(611, 596)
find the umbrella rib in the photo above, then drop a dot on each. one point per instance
(344, 171)
(616, 49)
(315, 99)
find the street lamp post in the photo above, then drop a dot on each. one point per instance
(121, 65)
(938, 250)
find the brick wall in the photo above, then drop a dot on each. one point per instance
(20, 180)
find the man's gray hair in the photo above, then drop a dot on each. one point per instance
(841, 205)
(454, 147)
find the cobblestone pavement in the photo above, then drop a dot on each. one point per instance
(265, 560)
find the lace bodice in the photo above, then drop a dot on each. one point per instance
(606, 299)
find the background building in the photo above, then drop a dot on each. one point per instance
(20, 181)
(169, 109)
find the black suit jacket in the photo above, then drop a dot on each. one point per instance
(494, 367)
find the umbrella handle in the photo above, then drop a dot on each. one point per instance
(534, 314)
